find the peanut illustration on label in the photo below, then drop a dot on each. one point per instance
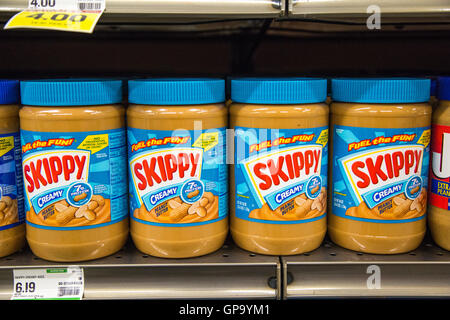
(66, 213)
(183, 209)
(80, 197)
(301, 207)
(315, 189)
(415, 190)
(193, 194)
(177, 211)
(310, 207)
(398, 207)
(8, 211)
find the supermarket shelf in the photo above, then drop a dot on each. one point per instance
(228, 273)
(331, 271)
(140, 10)
(353, 8)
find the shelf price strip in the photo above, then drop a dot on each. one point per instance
(48, 284)
(63, 15)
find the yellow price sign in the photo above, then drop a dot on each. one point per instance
(55, 20)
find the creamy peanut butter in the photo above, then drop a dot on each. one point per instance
(379, 165)
(438, 210)
(279, 177)
(74, 164)
(12, 227)
(178, 174)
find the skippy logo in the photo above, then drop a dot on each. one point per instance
(159, 175)
(279, 176)
(48, 175)
(378, 174)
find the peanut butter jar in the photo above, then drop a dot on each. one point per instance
(380, 158)
(177, 166)
(74, 166)
(279, 176)
(12, 227)
(439, 204)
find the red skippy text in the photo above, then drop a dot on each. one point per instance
(54, 169)
(155, 169)
(381, 167)
(287, 167)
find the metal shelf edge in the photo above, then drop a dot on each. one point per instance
(229, 273)
(177, 7)
(359, 7)
(334, 272)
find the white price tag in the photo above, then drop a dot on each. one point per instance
(67, 5)
(48, 284)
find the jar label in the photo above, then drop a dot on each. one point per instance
(74, 180)
(11, 189)
(440, 167)
(281, 174)
(380, 175)
(178, 178)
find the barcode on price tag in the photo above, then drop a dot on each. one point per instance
(48, 284)
(86, 5)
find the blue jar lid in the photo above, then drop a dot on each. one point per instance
(70, 92)
(179, 91)
(391, 90)
(9, 91)
(444, 88)
(279, 90)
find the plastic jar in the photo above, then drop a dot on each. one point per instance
(439, 204)
(279, 177)
(12, 227)
(380, 158)
(74, 165)
(178, 172)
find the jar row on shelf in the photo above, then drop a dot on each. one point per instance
(180, 167)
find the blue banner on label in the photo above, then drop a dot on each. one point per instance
(49, 197)
(153, 199)
(275, 199)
